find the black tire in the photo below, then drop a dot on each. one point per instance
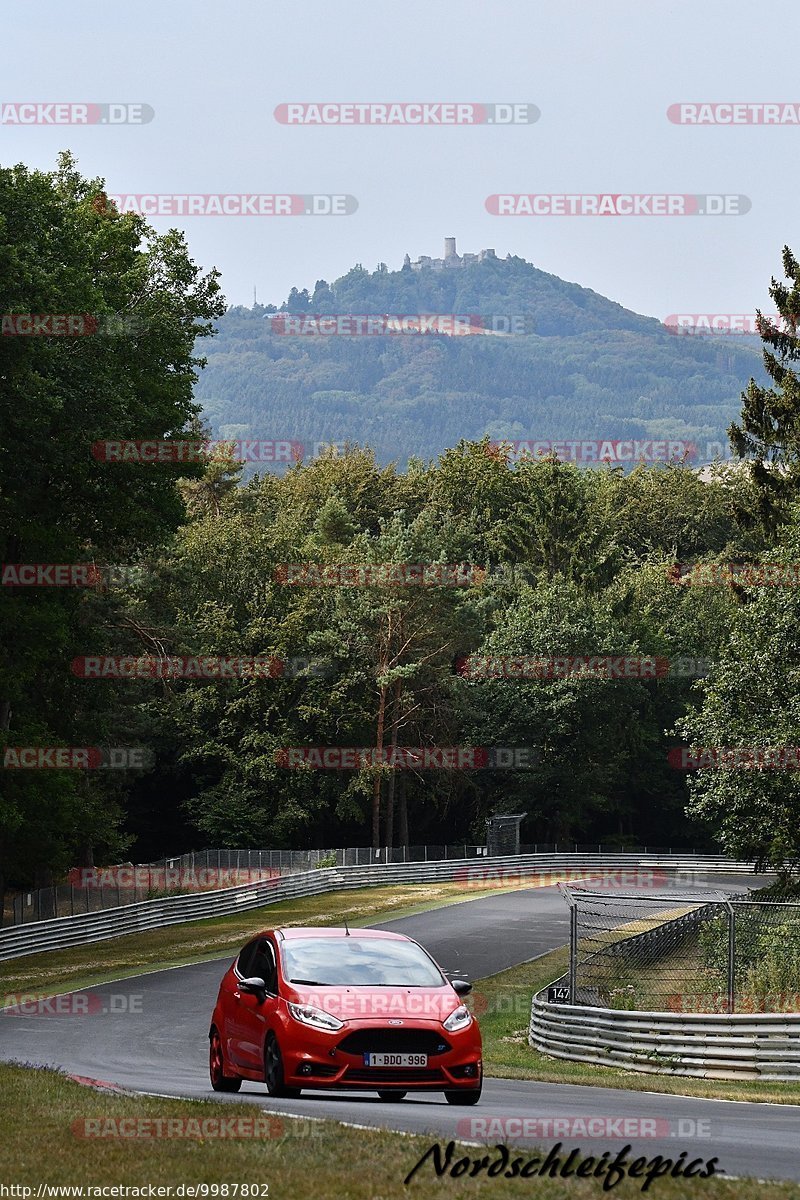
(389, 1095)
(273, 1071)
(462, 1098)
(220, 1082)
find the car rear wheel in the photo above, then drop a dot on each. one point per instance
(461, 1098)
(220, 1082)
(273, 1071)
(386, 1094)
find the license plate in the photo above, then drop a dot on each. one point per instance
(395, 1060)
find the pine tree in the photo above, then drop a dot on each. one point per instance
(769, 432)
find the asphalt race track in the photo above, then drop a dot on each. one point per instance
(149, 1033)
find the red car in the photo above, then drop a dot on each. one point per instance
(327, 1008)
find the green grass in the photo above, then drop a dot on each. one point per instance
(502, 1003)
(298, 1159)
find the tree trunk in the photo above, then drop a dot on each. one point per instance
(403, 813)
(376, 785)
(85, 855)
(389, 836)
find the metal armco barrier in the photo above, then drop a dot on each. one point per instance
(715, 1046)
(706, 1045)
(83, 929)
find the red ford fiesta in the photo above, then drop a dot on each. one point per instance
(326, 1008)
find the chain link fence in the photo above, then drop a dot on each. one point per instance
(701, 953)
(95, 889)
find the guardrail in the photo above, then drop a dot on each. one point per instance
(753, 1046)
(174, 910)
(91, 889)
(715, 1045)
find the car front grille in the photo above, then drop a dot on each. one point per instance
(394, 1041)
(375, 1075)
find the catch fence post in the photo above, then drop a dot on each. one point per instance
(731, 957)
(573, 941)
(573, 953)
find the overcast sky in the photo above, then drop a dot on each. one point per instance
(602, 74)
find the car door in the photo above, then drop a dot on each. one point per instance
(236, 1016)
(254, 1015)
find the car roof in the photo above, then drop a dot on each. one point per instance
(292, 932)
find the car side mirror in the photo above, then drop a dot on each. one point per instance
(461, 987)
(254, 986)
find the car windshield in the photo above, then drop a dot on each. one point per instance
(370, 962)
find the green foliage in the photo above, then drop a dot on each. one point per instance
(767, 954)
(769, 432)
(752, 700)
(64, 250)
(571, 562)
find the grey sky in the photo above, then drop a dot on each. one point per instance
(602, 74)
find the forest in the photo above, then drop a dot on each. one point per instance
(424, 572)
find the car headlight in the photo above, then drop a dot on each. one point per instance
(308, 1015)
(460, 1018)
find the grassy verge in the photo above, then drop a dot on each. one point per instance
(176, 945)
(502, 1004)
(46, 1118)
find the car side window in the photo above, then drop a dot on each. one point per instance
(244, 963)
(263, 965)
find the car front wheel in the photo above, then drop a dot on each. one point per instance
(273, 1071)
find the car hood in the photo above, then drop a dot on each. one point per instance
(355, 1003)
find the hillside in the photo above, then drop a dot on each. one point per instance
(589, 369)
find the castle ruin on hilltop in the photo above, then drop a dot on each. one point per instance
(451, 259)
